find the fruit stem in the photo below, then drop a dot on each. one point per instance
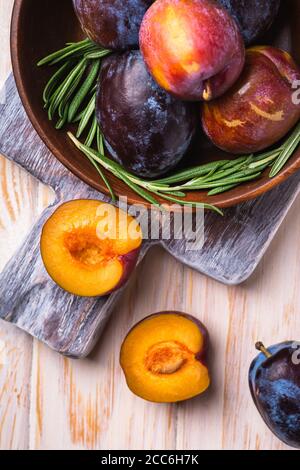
(260, 347)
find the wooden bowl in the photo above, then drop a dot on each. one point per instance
(41, 27)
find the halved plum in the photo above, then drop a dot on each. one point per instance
(164, 358)
(90, 248)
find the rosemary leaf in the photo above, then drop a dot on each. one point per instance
(63, 119)
(69, 94)
(52, 84)
(221, 189)
(91, 158)
(105, 180)
(220, 174)
(75, 54)
(266, 159)
(236, 161)
(64, 53)
(92, 133)
(88, 113)
(100, 141)
(190, 173)
(224, 182)
(140, 191)
(192, 204)
(64, 88)
(83, 91)
(175, 193)
(288, 149)
(122, 174)
(98, 54)
(78, 117)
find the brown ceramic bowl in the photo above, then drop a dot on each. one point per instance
(40, 27)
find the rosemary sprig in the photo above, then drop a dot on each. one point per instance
(141, 187)
(81, 49)
(70, 95)
(88, 112)
(287, 151)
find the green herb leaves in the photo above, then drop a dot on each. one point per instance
(287, 150)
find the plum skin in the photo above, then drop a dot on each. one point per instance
(258, 110)
(145, 129)
(254, 17)
(276, 392)
(109, 23)
(193, 49)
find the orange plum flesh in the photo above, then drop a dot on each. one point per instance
(164, 358)
(90, 248)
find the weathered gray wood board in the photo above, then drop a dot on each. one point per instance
(234, 245)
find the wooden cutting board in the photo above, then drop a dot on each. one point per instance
(234, 245)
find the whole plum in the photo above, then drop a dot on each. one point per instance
(110, 23)
(192, 48)
(260, 108)
(145, 129)
(274, 380)
(254, 17)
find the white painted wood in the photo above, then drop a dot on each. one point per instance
(48, 402)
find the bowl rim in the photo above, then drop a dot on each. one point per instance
(230, 198)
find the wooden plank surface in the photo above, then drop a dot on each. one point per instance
(49, 402)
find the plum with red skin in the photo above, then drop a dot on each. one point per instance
(192, 48)
(254, 17)
(145, 129)
(259, 109)
(110, 23)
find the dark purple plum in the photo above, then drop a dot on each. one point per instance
(274, 380)
(114, 24)
(254, 17)
(145, 129)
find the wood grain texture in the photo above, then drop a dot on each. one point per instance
(49, 402)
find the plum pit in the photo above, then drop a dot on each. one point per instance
(167, 357)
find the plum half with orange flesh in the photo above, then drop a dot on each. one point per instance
(164, 358)
(90, 248)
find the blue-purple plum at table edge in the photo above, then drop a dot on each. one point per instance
(274, 380)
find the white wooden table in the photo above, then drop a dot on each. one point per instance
(48, 402)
